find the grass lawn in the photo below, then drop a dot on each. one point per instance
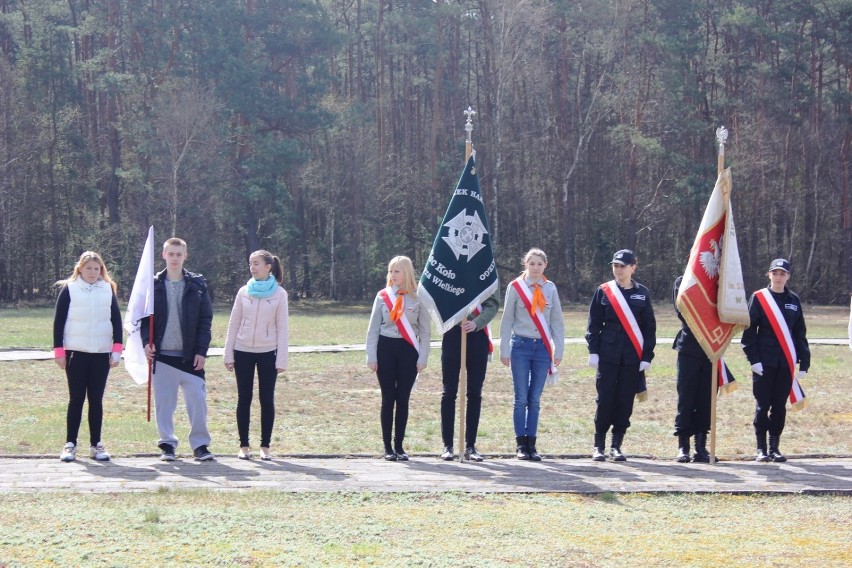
(199, 528)
(329, 403)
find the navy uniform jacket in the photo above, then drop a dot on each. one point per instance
(685, 341)
(759, 341)
(608, 339)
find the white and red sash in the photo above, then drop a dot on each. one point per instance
(625, 315)
(630, 325)
(402, 324)
(785, 340)
(526, 296)
(476, 311)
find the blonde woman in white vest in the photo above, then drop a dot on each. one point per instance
(87, 338)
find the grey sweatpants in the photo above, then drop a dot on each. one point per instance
(166, 381)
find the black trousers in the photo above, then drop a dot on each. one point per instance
(694, 375)
(397, 370)
(616, 386)
(477, 362)
(244, 366)
(770, 395)
(87, 376)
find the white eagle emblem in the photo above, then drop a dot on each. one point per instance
(465, 234)
(710, 261)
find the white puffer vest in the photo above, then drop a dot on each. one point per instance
(88, 327)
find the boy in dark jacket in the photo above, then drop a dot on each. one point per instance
(183, 317)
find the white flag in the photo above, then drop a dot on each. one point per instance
(850, 325)
(140, 305)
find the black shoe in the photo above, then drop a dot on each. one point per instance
(598, 455)
(523, 453)
(534, 456)
(202, 454)
(616, 455)
(777, 456)
(762, 456)
(447, 454)
(401, 455)
(472, 455)
(389, 456)
(683, 455)
(168, 454)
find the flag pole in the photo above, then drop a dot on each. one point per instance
(462, 392)
(721, 137)
(150, 364)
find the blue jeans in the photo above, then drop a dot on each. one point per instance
(530, 363)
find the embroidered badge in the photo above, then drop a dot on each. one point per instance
(465, 234)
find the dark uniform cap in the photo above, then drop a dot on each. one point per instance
(624, 256)
(780, 264)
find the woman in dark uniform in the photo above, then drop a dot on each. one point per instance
(772, 374)
(621, 335)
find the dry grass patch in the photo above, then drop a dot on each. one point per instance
(268, 528)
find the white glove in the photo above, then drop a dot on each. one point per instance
(757, 369)
(115, 357)
(644, 366)
(801, 375)
(594, 359)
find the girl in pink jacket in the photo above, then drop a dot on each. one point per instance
(258, 339)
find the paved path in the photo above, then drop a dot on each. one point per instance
(425, 474)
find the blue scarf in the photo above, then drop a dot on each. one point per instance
(262, 288)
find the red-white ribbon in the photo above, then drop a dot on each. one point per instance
(785, 339)
(402, 324)
(526, 296)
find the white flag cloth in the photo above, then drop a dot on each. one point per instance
(850, 325)
(140, 305)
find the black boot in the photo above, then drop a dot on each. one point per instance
(683, 448)
(774, 453)
(701, 454)
(523, 453)
(615, 448)
(762, 456)
(534, 456)
(600, 445)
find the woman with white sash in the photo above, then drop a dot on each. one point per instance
(774, 342)
(397, 349)
(621, 335)
(532, 340)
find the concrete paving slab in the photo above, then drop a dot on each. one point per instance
(424, 474)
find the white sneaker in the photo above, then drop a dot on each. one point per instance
(69, 452)
(99, 453)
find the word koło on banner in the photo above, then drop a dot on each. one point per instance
(439, 268)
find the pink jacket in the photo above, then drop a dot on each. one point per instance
(258, 325)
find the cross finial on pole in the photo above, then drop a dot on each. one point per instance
(468, 127)
(721, 137)
(468, 124)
